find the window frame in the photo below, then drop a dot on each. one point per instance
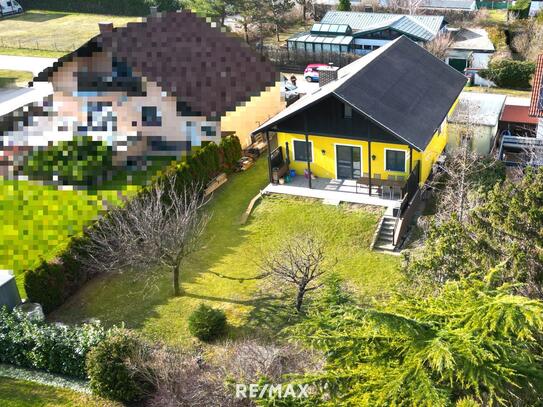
(347, 108)
(294, 150)
(158, 116)
(404, 161)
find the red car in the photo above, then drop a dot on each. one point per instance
(311, 73)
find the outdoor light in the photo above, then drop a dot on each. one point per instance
(323, 152)
(373, 157)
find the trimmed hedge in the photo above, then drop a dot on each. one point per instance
(51, 284)
(54, 348)
(107, 368)
(110, 7)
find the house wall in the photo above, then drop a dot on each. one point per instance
(482, 141)
(324, 155)
(253, 113)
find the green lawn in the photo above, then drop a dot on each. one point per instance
(502, 91)
(37, 221)
(53, 31)
(234, 250)
(18, 393)
(10, 79)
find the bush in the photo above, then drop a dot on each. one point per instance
(508, 73)
(231, 150)
(207, 324)
(108, 370)
(53, 348)
(46, 285)
(110, 7)
(81, 161)
(521, 8)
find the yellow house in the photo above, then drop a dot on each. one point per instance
(380, 123)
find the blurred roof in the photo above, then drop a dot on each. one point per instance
(517, 114)
(483, 109)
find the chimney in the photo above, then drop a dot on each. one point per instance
(328, 74)
(105, 27)
(154, 11)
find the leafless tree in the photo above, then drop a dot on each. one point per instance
(410, 7)
(157, 229)
(299, 263)
(439, 45)
(304, 4)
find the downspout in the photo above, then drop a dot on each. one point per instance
(369, 164)
(269, 157)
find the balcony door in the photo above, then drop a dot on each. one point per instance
(348, 162)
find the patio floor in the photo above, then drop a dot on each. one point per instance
(332, 191)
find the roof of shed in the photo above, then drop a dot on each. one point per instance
(449, 4)
(210, 71)
(517, 114)
(483, 109)
(400, 86)
(475, 39)
(423, 27)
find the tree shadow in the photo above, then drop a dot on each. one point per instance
(37, 17)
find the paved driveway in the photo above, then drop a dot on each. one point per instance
(30, 64)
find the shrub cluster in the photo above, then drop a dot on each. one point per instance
(207, 324)
(231, 150)
(110, 7)
(108, 370)
(53, 348)
(508, 73)
(81, 161)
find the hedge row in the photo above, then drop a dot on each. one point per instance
(509, 73)
(110, 7)
(51, 284)
(54, 348)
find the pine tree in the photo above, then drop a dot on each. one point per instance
(344, 5)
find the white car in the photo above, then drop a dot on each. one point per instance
(9, 7)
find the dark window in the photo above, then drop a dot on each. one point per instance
(395, 160)
(347, 111)
(540, 104)
(300, 151)
(367, 47)
(209, 131)
(150, 116)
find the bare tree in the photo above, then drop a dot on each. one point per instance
(304, 4)
(410, 7)
(439, 45)
(158, 227)
(299, 263)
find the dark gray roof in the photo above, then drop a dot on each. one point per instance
(401, 87)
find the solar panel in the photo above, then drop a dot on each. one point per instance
(540, 103)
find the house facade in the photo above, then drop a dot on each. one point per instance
(361, 33)
(159, 87)
(366, 127)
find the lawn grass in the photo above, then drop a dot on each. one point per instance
(10, 79)
(19, 393)
(53, 31)
(38, 220)
(502, 91)
(234, 250)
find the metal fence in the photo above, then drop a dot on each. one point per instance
(60, 44)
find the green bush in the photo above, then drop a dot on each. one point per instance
(53, 348)
(508, 73)
(521, 8)
(231, 151)
(46, 285)
(207, 324)
(81, 161)
(110, 7)
(107, 368)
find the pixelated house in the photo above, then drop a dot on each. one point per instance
(163, 85)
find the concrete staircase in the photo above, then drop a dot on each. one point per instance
(385, 236)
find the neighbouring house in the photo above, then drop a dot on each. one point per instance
(536, 7)
(469, 52)
(361, 33)
(158, 87)
(476, 117)
(370, 135)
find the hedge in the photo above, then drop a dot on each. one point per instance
(54, 348)
(110, 7)
(51, 284)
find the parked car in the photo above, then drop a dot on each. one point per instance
(9, 7)
(311, 73)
